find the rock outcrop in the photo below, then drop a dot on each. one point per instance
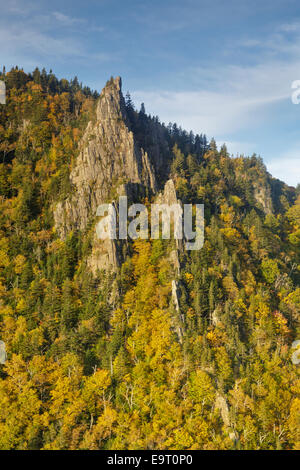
(262, 195)
(168, 196)
(110, 163)
(222, 405)
(109, 158)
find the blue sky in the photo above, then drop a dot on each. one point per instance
(220, 67)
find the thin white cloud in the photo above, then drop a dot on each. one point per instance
(19, 7)
(230, 97)
(238, 147)
(293, 27)
(33, 35)
(47, 36)
(217, 112)
(31, 42)
(67, 20)
(286, 168)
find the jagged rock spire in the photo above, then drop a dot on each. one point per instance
(111, 103)
(110, 161)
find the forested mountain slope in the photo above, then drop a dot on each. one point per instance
(139, 344)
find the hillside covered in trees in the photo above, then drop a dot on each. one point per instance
(140, 345)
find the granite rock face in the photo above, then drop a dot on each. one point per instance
(168, 195)
(110, 163)
(109, 158)
(263, 197)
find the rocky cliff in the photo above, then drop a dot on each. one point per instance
(110, 162)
